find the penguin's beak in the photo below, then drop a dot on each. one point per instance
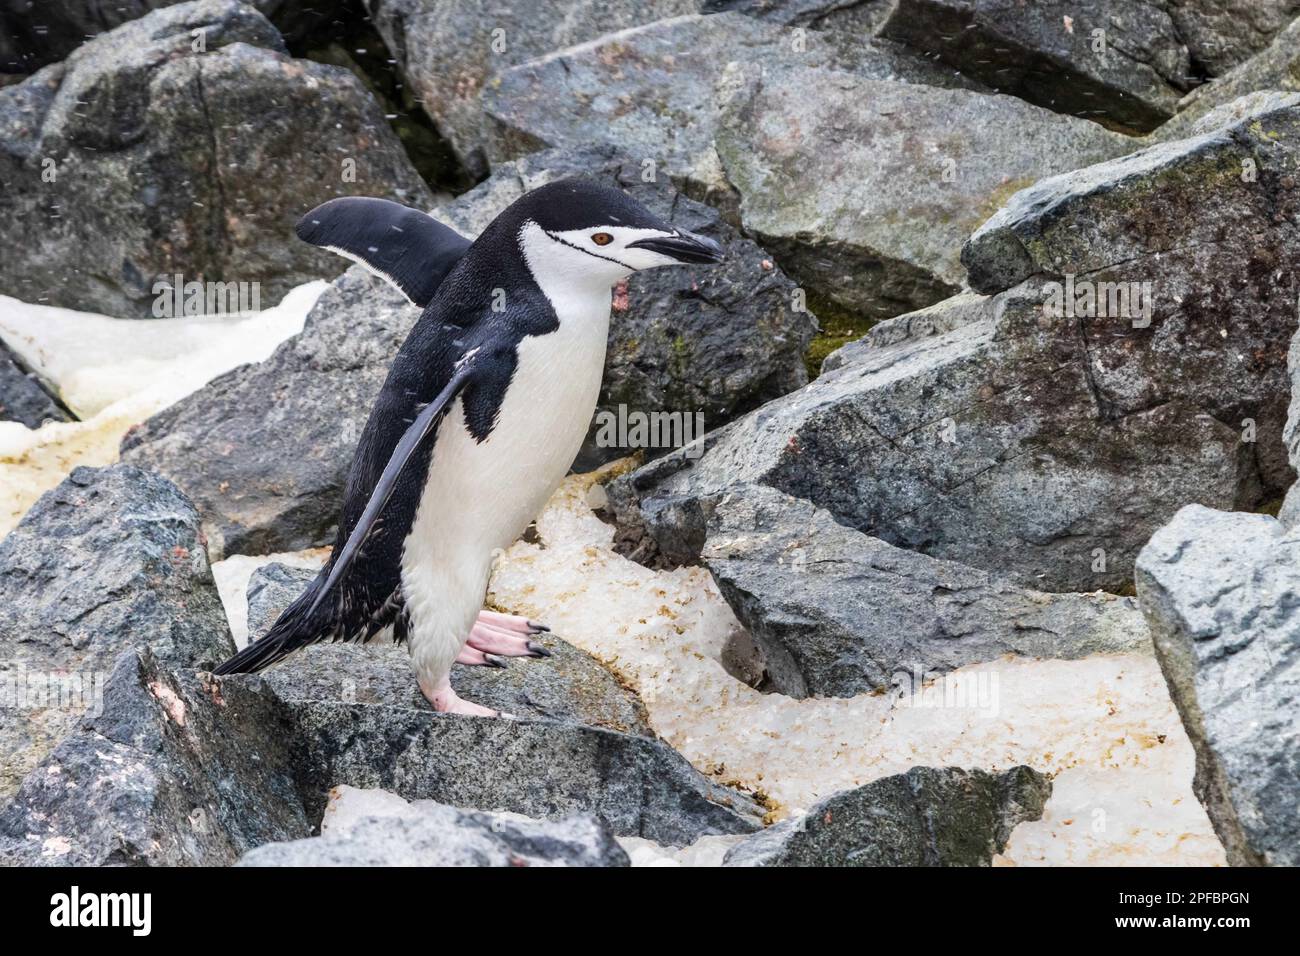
(682, 246)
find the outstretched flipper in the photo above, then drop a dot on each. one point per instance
(404, 246)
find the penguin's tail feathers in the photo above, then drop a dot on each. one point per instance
(296, 627)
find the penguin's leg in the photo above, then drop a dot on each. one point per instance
(442, 603)
(446, 701)
(492, 640)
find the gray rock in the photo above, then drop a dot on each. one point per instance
(1275, 68)
(713, 341)
(540, 768)
(22, 399)
(1220, 34)
(223, 129)
(571, 685)
(175, 771)
(44, 31)
(111, 559)
(436, 835)
(651, 90)
(933, 320)
(925, 817)
(838, 613)
(1219, 591)
(179, 770)
(1048, 52)
(860, 17)
(264, 450)
(450, 51)
(1050, 448)
(928, 166)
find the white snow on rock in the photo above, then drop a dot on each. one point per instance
(115, 373)
(1104, 727)
(232, 576)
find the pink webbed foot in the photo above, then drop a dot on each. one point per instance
(500, 640)
(447, 701)
(511, 622)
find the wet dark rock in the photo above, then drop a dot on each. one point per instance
(22, 399)
(925, 817)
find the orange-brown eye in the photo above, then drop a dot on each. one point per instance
(602, 238)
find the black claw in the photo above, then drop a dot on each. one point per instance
(496, 661)
(537, 650)
(536, 628)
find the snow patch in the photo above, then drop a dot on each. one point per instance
(116, 373)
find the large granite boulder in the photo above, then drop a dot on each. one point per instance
(1123, 61)
(901, 173)
(431, 834)
(925, 817)
(111, 559)
(140, 158)
(837, 613)
(175, 770)
(1220, 34)
(449, 51)
(43, 31)
(179, 769)
(651, 90)
(570, 685)
(1042, 438)
(1275, 68)
(264, 450)
(1219, 591)
(540, 768)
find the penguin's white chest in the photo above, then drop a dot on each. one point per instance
(480, 496)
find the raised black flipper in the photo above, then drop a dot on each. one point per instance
(404, 246)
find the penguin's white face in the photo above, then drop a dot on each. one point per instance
(605, 254)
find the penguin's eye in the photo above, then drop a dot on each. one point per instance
(602, 238)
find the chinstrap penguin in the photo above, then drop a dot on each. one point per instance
(484, 409)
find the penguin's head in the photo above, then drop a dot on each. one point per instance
(588, 232)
